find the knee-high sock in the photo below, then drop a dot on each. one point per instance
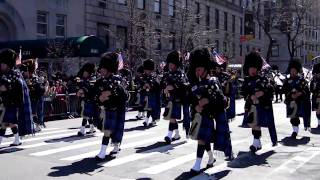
(200, 152)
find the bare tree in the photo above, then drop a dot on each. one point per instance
(294, 22)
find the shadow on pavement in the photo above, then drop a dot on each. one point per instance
(138, 128)
(315, 130)
(70, 138)
(247, 159)
(220, 175)
(157, 145)
(288, 141)
(7, 150)
(84, 166)
(133, 120)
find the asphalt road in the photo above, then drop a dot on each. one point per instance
(58, 153)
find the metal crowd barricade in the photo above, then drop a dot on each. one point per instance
(61, 106)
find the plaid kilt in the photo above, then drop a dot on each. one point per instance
(116, 136)
(109, 121)
(222, 139)
(10, 115)
(176, 110)
(88, 109)
(206, 131)
(265, 116)
(231, 111)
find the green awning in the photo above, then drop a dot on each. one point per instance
(84, 46)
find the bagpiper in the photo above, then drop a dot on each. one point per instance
(220, 71)
(315, 90)
(297, 97)
(37, 90)
(208, 105)
(85, 91)
(111, 97)
(258, 94)
(150, 93)
(138, 82)
(15, 103)
(174, 84)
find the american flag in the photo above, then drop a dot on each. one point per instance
(120, 59)
(265, 65)
(162, 64)
(219, 58)
(19, 59)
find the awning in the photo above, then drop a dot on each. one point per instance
(84, 46)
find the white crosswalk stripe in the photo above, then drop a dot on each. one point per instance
(125, 146)
(77, 146)
(139, 156)
(31, 139)
(174, 162)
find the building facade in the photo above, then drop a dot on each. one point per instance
(145, 28)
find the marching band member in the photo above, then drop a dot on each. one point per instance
(258, 93)
(315, 90)
(15, 104)
(297, 97)
(85, 86)
(37, 89)
(151, 93)
(112, 97)
(138, 86)
(174, 85)
(208, 104)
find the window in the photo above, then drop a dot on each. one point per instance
(121, 37)
(61, 25)
(171, 4)
(184, 3)
(103, 33)
(102, 3)
(140, 4)
(42, 24)
(233, 49)
(241, 53)
(158, 39)
(225, 21)
(241, 26)
(259, 32)
(197, 12)
(225, 48)
(217, 45)
(275, 51)
(208, 16)
(217, 18)
(172, 41)
(157, 6)
(233, 24)
(240, 3)
(124, 2)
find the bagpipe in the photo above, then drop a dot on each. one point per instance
(172, 95)
(199, 91)
(292, 105)
(147, 87)
(251, 105)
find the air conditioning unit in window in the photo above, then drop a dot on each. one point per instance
(102, 4)
(158, 16)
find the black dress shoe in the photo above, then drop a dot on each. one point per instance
(194, 172)
(80, 134)
(176, 139)
(14, 145)
(210, 165)
(168, 140)
(97, 158)
(294, 135)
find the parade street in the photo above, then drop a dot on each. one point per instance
(58, 153)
